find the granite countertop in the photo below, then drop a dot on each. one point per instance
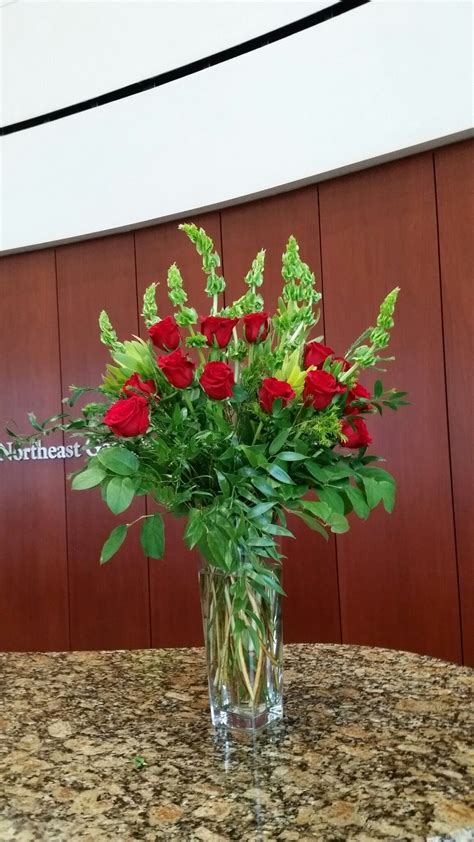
(374, 745)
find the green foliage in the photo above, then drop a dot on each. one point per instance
(229, 467)
(119, 493)
(152, 536)
(88, 478)
(113, 542)
(119, 460)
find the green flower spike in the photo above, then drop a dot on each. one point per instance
(210, 260)
(150, 310)
(108, 335)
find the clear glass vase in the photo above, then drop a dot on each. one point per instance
(244, 647)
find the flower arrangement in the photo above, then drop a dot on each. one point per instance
(233, 421)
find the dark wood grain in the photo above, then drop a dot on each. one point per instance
(175, 606)
(455, 195)
(398, 582)
(109, 604)
(311, 609)
(33, 561)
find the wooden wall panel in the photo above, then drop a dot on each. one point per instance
(109, 604)
(311, 609)
(455, 197)
(398, 582)
(33, 562)
(175, 606)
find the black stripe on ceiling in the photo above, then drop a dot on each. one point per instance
(286, 31)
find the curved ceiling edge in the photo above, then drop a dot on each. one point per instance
(437, 143)
(327, 13)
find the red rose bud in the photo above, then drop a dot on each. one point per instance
(315, 353)
(128, 416)
(357, 391)
(256, 327)
(217, 380)
(165, 334)
(320, 388)
(177, 368)
(356, 432)
(346, 365)
(218, 330)
(134, 384)
(272, 389)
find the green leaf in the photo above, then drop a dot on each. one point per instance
(338, 471)
(195, 528)
(224, 484)
(338, 523)
(239, 394)
(248, 494)
(263, 486)
(216, 549)
(255, 457)
(373, 492)
(275, 529)
(321, 510)
(313, 524)
(376, 473)
(279, 474)
(113, 542)
(261, 542)
(254, 638)
(152, 536)
(291, 456)
(260, 509)
(316, 471)
(388, 490)
(378, 388)
(88, 479)
(119, 494)
(278, 442)
(34, 422)
(266, 580)
(119, 460)
(358, 501)
(332, 498)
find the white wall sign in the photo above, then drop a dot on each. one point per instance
(39, 452)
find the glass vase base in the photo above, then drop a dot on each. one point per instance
(244, 719)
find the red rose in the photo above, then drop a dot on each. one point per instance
(355, 393)
(146, 386)
(315, 353)
(165, 334)
(217, 380)
(320, 388)
(272, 389)
(128, 416)
(256, 326)
(356, 432)
(346, 365)
(177, 368)
(218, 330)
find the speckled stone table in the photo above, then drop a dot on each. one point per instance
(374, 745)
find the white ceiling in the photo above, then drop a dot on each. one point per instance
(59, 52)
